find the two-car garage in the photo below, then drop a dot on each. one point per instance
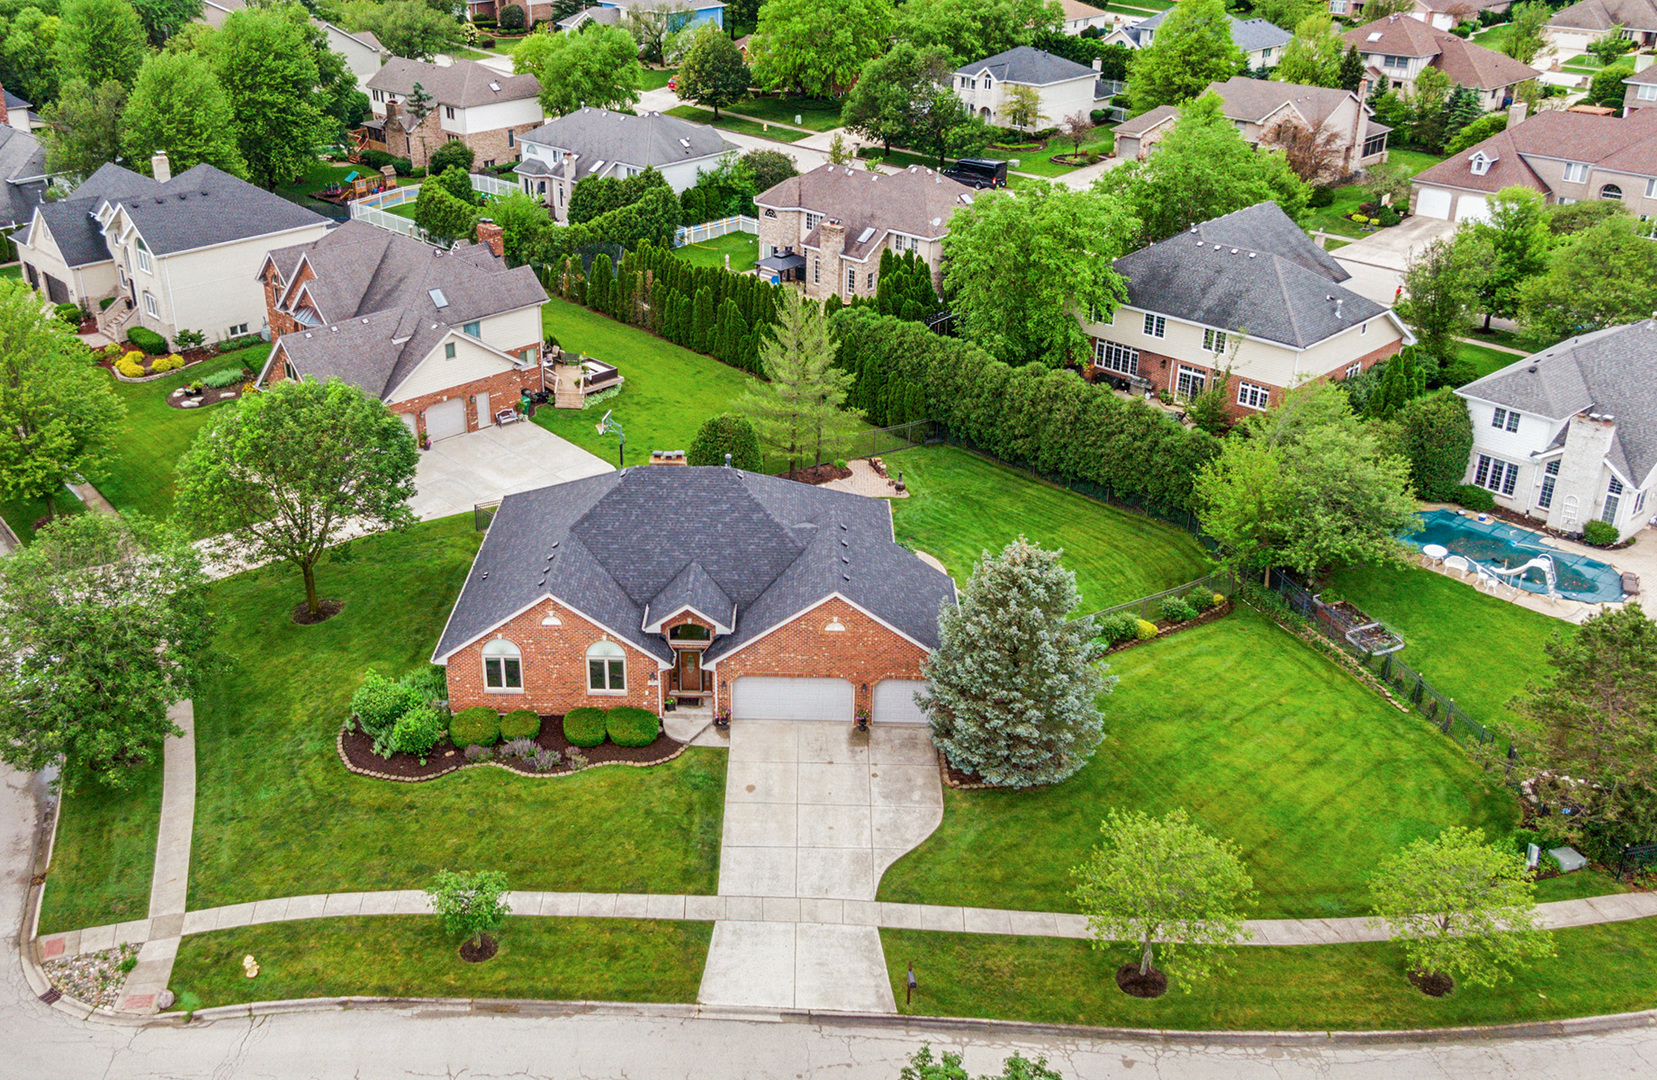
(769, 697)
(1446, 205)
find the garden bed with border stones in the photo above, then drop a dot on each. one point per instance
(356, 752)
(209, 395)
(93, 978)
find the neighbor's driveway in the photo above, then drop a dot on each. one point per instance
(814, 814)
(483, 466)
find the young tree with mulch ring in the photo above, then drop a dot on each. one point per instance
(472, 905)
(282, 476)
(1462, 909)
(1164, 880)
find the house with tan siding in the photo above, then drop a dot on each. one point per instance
(1399, 48)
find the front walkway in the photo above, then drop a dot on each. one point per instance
(483, 466)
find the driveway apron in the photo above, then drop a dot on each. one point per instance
(814, 814)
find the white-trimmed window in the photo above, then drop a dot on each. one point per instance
(1613, 499)
(606, 668)
(812, 220)
(239, 330)
(816, 270)
(1612, 192)
(1576, 172)
(851, 281)
(448, 112)
(1155, 325)
(448, 350)
(1122, 359)
(1214, 340)
(1506, 420)
(1646, 92)
(1354, 370)
(1550, 476)
(1189, 382)
(143, 256)
(1395, 63)
(1651, 185)
(503, 667)
(150, 308)
(1253, 397)
(1496, 475)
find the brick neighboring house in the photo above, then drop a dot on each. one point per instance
(598, 142)
(1258, 107)
(1400, 47)
(1249, 290)
(827, 228)
(1568, 435)
(1572, 29)
(721, 588)
(472, 104)
(445, 338)
(1567, 156)
(174, 252)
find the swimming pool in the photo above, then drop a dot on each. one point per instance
(1499, 545)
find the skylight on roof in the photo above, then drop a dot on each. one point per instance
(438, 298)
(685, 143)
(495, 86)
(863, 237)
(1375, 36)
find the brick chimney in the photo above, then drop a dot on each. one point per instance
(160, 167)
(831, 244)
(491, 236)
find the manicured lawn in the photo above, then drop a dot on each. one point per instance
(318, 175)
(1478, 649)
(669, 391)
(1262, 740)
(817, 114)
(737, 124)
(155, 435)
(1485, 360)
(961, 505)
(1598, 970)
(22, 513)
(1511, 338)
(104, 855)
(411, 956)
(1493, 37)
(1040, 163)
(743, 248)
(1582, 64)
(1333, 218)
(11, 270)
(649, 78)
(278, 815)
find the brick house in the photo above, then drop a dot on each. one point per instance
(720, 588)
(1399, 48)
(445, 338)
(1249, 291)
(470, 103)
(827, 228)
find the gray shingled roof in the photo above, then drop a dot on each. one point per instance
(78, 235)
(599, 135)
(1604, 14)
(23, 170)
(915, 201)
(1612, 371)
(204, 206)
(1250, 35)
(1252, 271)
(462, 84)
(693, 588)
(1027, 65)
(772, 547)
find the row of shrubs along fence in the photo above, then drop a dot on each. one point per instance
(1406, 682)
(1221, 582)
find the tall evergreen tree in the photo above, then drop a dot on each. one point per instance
(701, 320)
(798, 410)
(602, 277)
(1351, 76)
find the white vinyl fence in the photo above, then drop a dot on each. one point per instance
(708, 230)
(372, 208)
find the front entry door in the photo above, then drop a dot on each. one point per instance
(690, 670)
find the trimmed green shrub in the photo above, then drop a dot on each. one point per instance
(1475, 498)
(521, 724)
(170, 362)
(512, 17)
(1201, 601)
(1322, 195)
(725, 434)
(132, 369)
(1387, 217)
(1176, 609)
(69, 313)
(629, 725)
(585, 726)
(451, 153)
(1599, 533)
(417, 731)
(479, 726)
(1143, 630)
(1117, 628)
(221, 379)
(379, 701)
(148, 340)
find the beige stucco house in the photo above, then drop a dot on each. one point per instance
(1572, 29)
(1063, 87)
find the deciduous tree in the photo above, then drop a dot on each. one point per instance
(410, 28)
(1610, 45)
(1313, 56)
(1165, 885)
(1440, 290)
(713, 73)
(99, 41)
(1524, 35)
(1015, 680)
(28, 54)
(1314, 153)
(1517, 231)
(1286, 14)
(105, 627)
(972, 29)
(83, 127)
(285, 474)
(471, 904)
(164, 18)
(178, 106)
(597, 67)
(1460, 907)
(652, 27)
(1192, 48)
(817, 47)
(1020, 266)
(1436, 435)
(440, 213)
(1476, 132)
(1022, 106)
(800, 408)
(268, 69)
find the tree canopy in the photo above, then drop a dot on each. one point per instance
(1191, 49)
(905, 95)
(178, 105)
(1517, 232)
(970, 30)
(83, 127)
(99, 41)
(713, 72)
(599, 67)
(410, 28)
(1598, 277)
(267, 65)
(817, 47)
(800, 408)
(1313, 56)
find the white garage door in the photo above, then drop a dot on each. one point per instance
(446, 419)
(1472, 208)
(895, 701)
(1433, 203)
(770, 698)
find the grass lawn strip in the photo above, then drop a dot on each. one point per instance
(1485, 359)
(103, 856)
(1333, 218)
(743, 248)
(815, 114)
(267, 773)
(21, 513)
(155, 435)
(669, 391)
(411, 956)
(1262, 740)
(738, 125)
(1599, 970)
(961, 505)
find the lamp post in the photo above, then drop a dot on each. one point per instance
(607, 425)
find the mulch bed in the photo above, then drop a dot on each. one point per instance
(327, 610)
(817, 474)
(1132, 983)
(1070, 159)
(1164, 627)
(356, 749)
(1431, 983)
(210, 395)
(479, 951)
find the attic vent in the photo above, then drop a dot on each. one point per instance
(438, 298)
(495, 86)
(1251, 254)
(1234, 251)
(685, 143)
(863, 237)
(937, 221)
(1531, 369)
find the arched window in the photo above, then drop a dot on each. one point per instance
(606, 668)
(1610, 191)
(503, 667)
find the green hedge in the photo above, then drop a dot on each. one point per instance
(148, 340)
(585, 727)
(629, 725)
(480, 726)
(1474, 498)
(520, 724)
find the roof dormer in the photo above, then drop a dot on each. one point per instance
(1479, 164)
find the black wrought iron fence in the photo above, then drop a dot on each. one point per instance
(483, 514)
(873, 442)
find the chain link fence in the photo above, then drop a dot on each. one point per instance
(1145, 607)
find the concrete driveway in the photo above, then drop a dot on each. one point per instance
(814, 814)
(1392, 248)
(483, 466)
